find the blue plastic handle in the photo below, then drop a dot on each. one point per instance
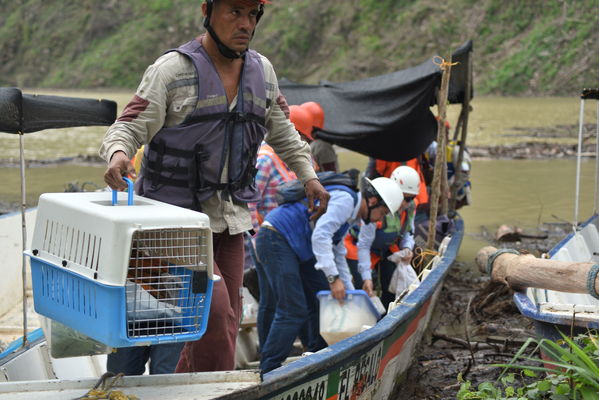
(129, 193)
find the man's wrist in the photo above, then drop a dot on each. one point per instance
(332, 278)
(309, 180)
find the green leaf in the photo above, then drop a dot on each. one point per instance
(529, 373)
(510, 391)
(589, 393)
(562, 388)
(544, 385)
(509, 378)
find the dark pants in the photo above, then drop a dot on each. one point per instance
(287, 299)
(132, 360)
(355, 273)
(385, 271)
(215, 351)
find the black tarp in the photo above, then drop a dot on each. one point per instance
(388, 116)
(28, 113)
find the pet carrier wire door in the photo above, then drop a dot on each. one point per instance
(122, 274)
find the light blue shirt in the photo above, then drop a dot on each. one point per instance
(330, 258)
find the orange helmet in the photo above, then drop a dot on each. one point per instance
(302, 120)
(317, 113)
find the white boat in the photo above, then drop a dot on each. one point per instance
(555, 311)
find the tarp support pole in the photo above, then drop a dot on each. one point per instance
(440, 161)
(24, 234)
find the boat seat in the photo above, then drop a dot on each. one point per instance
(591, 238)
(578, 249)
(562, 254)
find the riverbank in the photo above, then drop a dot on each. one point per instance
(475, 324)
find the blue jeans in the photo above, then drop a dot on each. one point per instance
(132, 360)
(309, 332)
(288, 299)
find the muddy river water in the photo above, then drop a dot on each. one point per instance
(513, 192)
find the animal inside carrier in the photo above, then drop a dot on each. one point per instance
(124, 273)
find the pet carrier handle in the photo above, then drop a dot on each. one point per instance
(129, 193)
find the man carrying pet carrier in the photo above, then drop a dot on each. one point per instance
(202, 111)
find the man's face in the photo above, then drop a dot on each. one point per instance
(234, 22)
(376, 214)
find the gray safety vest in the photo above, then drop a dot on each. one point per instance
(183, 164)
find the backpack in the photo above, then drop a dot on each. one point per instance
(293, 191)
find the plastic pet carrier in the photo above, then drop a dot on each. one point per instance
(125, 273)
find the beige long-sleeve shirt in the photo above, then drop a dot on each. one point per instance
(166, 95)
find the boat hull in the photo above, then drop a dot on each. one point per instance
(370, 365)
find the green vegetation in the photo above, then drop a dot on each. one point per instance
(571, 372)
(521, 47)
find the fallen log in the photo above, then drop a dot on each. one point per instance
(521, 271)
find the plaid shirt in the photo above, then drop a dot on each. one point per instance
(268, 179)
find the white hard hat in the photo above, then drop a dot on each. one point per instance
(407, 178)
(388, 191)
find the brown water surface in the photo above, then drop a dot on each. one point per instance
(514, 192)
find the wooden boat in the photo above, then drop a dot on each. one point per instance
(371, 364)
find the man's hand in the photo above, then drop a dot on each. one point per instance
(338, 290)
(316, 192)
(282, 102)
(368, 287)
(119, 166)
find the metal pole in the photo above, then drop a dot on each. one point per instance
(578, 161)
(24, 235)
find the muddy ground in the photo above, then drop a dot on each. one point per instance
(475, 324)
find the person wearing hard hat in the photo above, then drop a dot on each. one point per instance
(298, 261)
(323, 152)
(378, 168)
(302, 120)
(370, 245)
(191, 104)
(304, 124)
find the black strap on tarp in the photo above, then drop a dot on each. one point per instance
(388, 116)
(26, 113)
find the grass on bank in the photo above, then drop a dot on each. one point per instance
(572, 372)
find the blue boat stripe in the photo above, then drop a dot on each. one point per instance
(591, 277)
(493, 256)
